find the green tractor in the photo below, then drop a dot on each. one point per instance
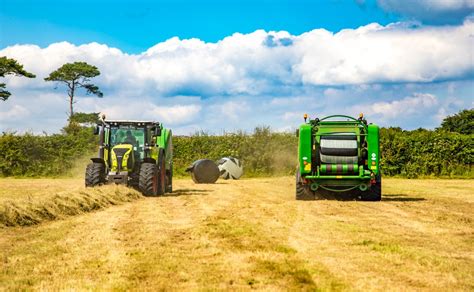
(338, 158)
(135, 153)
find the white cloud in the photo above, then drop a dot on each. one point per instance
(401, 108)
(250, 79)
(177, 114)
(251, 64)
(395, 53)
(413, 111)
(15, 112)
(433, 5)
(437, 11)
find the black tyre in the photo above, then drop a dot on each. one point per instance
(375, 191)
(169, 180)
(148, 180)
(152, 177)
(95, 174)
(303, 192)
(161, 172)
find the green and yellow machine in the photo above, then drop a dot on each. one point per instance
(338, 158)
(134, 153)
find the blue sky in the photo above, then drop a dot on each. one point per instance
(228, 65)
(134, 26)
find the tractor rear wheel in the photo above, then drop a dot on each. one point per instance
(375, 191)
(95, 174)
(303, 192)
(169, 180)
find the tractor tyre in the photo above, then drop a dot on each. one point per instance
(95, 174)
(375, 192)
(303, 192)
(169, 180)
(161, 172)
(152, 177)
(148, 180)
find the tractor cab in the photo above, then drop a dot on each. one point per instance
(126, 143)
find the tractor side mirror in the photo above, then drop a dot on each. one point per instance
(157, 131)
(96, 130)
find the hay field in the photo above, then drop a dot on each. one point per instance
(247, 234)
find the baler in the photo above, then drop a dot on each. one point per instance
(338, 157)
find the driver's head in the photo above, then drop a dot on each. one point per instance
(129, 133)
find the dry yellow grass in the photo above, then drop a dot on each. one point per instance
(27, 202)
(252, 234)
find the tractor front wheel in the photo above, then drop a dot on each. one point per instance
(95, 174)
(303, 192)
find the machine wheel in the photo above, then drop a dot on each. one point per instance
(148, 180)
(151, 181)
(95, 174)
(302, 191)
(375, 191)
(169, 180)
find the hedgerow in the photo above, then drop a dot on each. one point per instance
(409, 154)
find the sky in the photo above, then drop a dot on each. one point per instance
(233, 65)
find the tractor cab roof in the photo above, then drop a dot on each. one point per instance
(130, 123)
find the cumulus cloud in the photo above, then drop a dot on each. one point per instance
(255, 63)
(435, 11)
(247, 79)
(410, 105)
(15, 112)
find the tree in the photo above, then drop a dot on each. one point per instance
(76, 75)
(85, 118)
(10, 67)
(462, 122)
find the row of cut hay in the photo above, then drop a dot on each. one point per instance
(33, 210)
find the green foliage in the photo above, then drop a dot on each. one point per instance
(85, 118)
(10, 67)
(47, 155)
(426, 153)
(262, 153)
(76, 75)
(404, 153)
(462, 122)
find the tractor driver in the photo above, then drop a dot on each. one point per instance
(130, 139)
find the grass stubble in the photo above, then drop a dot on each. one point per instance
(247, 234)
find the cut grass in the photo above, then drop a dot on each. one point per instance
(251, 234)
(29, 209)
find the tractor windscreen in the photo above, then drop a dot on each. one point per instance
(129, 135)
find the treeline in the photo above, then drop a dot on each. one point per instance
(441, 152)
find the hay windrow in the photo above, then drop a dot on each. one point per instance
(35, 210)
